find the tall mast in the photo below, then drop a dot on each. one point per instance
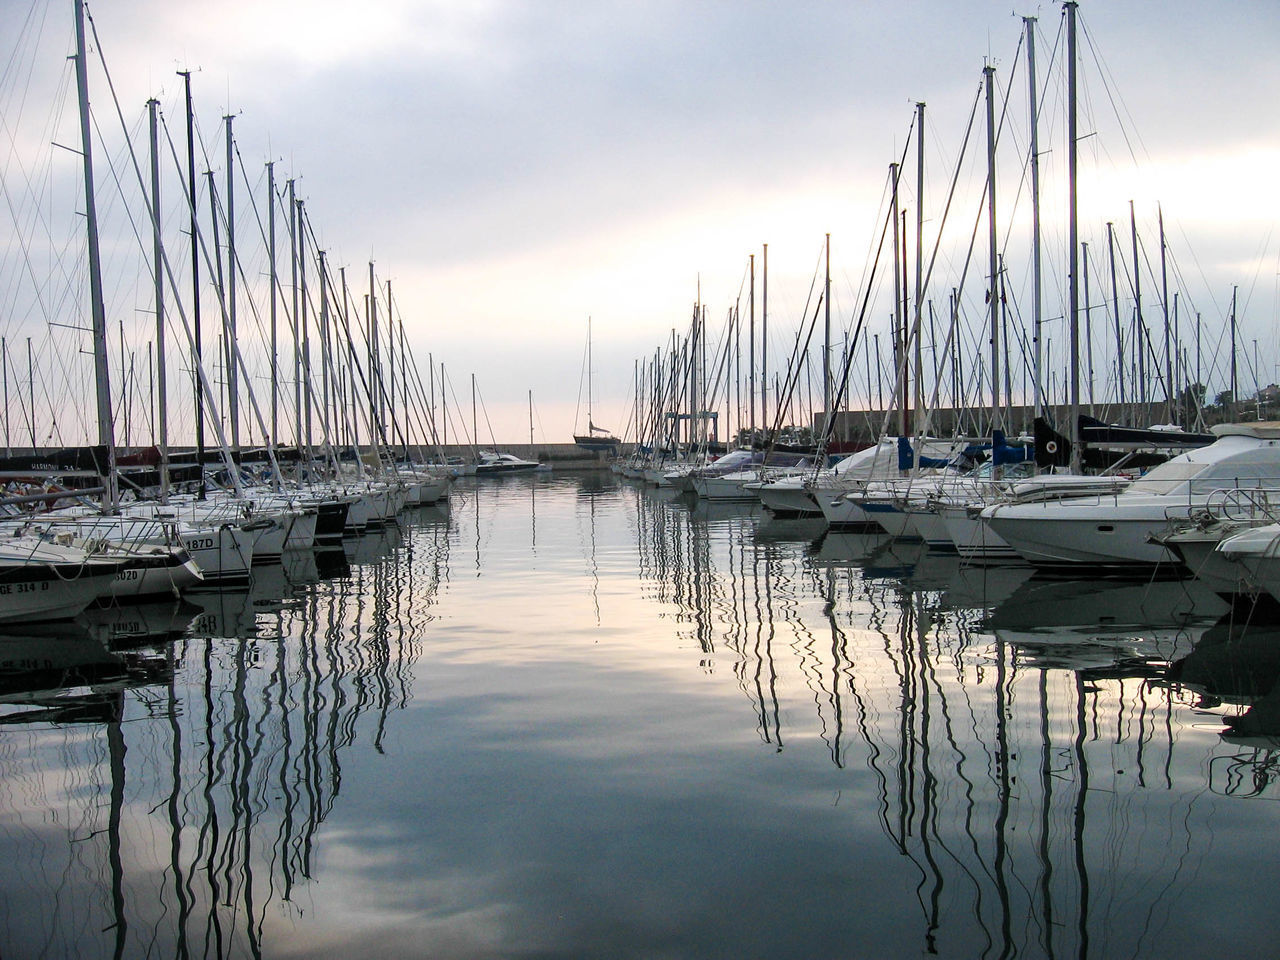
(1140, 392)
(826, 344)
(219, 286)
(764, 345)
(751, 349)
(1164, 299)
(1036, 305)
(304, 326)
(1200, 405)
(1179, 367)
(1073, 240)
(993, 265)
(1115, 311)
(1088, 323)
(346, 316)
(404, 379)
(899, 322)
(31, 395)
(391, 359)
(1235, 412)
(4, 373)
(918, 356)
(157, 248)
(375, 371)
(325, 391)
(195, 282)
(297, 339)
(274, 284)
(106, 429)
(233, 394)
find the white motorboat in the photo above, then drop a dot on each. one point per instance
(1255, 550)
(491, 463)
(1197, 541)
(974, 540)
(1115, 531)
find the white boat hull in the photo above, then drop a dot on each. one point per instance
(972, 538)
(1078, 536)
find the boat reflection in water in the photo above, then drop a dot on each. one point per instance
(1237, 664)
(177, 760)
(1017, 739)
(576, 717)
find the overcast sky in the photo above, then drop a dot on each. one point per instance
(515, 167)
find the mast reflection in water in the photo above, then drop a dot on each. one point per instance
(577, 718)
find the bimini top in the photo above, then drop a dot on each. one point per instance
(1259, 430)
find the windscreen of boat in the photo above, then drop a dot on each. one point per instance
(777, 459)
(1166, 478)
(731, 463)
(1253, 469)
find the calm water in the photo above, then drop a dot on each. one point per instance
(572, 718)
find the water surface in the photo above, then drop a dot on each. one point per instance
(569, 717)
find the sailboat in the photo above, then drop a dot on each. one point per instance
(596, 439)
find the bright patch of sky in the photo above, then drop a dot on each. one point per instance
(515, 167)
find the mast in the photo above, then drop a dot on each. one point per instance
(1036, 304)
(375, 370)
(157, 246)
(195, 282)
(274, 285)
(233, 393)
(1140, 393)
(1073, 240)
(993, 295)
(699, 408)
(344, 357)
(106, 428)
(899, 322)
(4, 366)
(1088, 323)
(325, 391)
(751, 349)
(404, 381)
(826, 345)
(297, 341)
(219, 287)
(1179, 367)
(1164, 300)
(1200, 405)
(31, 395)
(918, 371)
(1115, 312)
(304, 326)
(1235, 412)
(391, 361)
(1257, 389)
(764, 346)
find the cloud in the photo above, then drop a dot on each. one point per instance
(519, 166)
